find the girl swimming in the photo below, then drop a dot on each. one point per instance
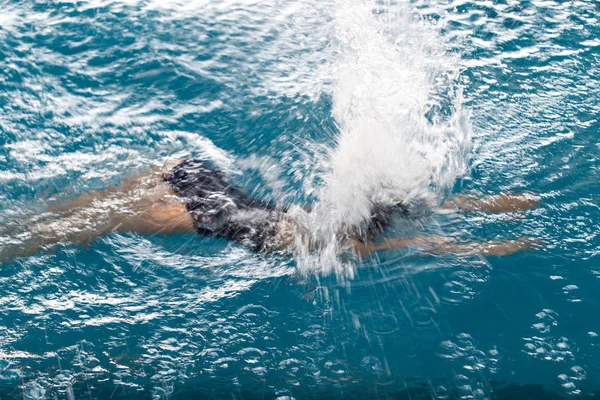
(191, 196)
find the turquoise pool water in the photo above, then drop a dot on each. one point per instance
(293, 98)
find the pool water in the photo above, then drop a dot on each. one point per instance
(316, 103)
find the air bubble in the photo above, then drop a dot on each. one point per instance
(441, 393)
(423, 316)
(567, 385)
(577, 373)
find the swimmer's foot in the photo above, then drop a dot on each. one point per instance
(505, 202)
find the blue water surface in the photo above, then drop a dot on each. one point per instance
(92, 91)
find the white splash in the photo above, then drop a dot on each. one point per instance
(391, 66)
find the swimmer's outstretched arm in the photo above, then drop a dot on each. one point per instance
(441, 244)
(87, 225)
(143, 204)
(505, 202)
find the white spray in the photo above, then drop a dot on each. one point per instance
(389, 67)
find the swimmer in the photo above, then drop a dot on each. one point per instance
(190, 196)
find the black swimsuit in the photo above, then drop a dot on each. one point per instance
(219, 209)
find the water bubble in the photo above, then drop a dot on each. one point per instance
(254, 314)
(371, 363)
(216, 362)
(423, 316)
(547, 319)
(385, 325)
(464, 284)
(293, 370)
(457, 291)
(226, 366)
(530, 348)
(577, 373)
(464, 342)
(479, 394)
(463, 349)
(550, 349)
(563, 345)
(476, 361)
(567, 385)
(441, 393)
(493, 359)
(448, 350)
(573, 293)
(463, 386)
(336, 371)
(253, 364)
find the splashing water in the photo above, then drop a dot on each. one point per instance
(393, 145)
(349, 99)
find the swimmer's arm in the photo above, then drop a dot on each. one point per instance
(425, 242)
(85, 225)
(500, 203)
(440, 244)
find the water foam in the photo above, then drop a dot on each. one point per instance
(393, 72)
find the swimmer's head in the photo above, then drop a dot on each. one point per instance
(381, 218)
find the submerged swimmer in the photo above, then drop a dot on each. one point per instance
(191, 196)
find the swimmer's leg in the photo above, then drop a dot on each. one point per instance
(505, 202)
